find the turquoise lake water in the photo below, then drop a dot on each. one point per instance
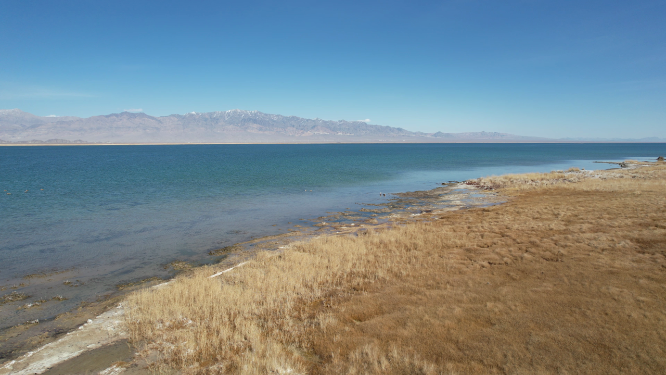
(113, 214)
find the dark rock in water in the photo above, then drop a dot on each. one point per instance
(623, 165)
(661, 158)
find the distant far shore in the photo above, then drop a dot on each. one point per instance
(241, 127)
(302, 143)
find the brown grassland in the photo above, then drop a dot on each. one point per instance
(568, 276)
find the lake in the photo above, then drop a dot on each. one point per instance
(93, 217)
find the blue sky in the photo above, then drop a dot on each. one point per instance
(531, 67)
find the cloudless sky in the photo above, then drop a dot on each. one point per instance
(530, 67)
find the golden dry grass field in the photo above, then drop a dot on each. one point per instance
(567, 277)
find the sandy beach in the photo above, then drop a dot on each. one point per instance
(550, 273)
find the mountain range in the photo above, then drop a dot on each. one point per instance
(233, 126)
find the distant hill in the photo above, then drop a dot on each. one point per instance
(615, 140)
(234, 126)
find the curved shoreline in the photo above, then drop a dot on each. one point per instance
(107, 323)
(104, 329)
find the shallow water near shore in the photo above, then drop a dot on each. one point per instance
(78, 221)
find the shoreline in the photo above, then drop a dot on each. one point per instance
(102, 323)
(330, 222)
(331, 142)
(104, 329)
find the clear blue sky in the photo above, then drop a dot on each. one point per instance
(534, 67)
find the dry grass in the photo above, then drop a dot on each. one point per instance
(527, 180)
(573, 175)
(565, 278)
(251, 320)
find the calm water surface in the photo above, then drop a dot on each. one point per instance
(112, 214)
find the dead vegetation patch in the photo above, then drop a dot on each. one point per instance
(134, 284)
(225, 250)
(569, 276)
(45, 274)
(178, 265)
(13, 297)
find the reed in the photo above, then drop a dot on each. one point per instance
(566, 277)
